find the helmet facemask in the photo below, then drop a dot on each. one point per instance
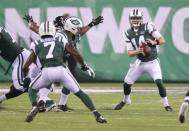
(136, 18)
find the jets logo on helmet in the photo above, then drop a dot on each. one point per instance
(136, 18)
(73, 24)
(47, 29)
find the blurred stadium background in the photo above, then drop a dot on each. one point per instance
(104, 47)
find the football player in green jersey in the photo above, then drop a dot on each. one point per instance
(184, 108)
(73, 40)
(16, 56)
(138, 34)
(48, 52)
(74, 29)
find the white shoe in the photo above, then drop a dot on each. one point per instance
(183, 112)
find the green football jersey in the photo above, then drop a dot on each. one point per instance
(50, 51)
(9, 49)
(136, 38)
(72, 41)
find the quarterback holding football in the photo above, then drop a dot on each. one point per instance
(142, 39)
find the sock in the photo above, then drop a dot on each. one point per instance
(127, 91)
(32, 96)
(161, 87)
(63, 99)
(13, 92)
(165, 101)
(127, 99)
(2, 98)
(86, 100)
(43, 94)
(126, 88)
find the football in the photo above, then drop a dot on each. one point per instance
(147, 49)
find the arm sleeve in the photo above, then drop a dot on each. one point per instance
(153, 31)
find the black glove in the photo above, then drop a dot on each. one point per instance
(96, 21)
(28, 18)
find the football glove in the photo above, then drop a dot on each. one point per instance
(28, 18)
(96, 21)
(89, 70)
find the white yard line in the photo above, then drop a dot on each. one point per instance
(93, 90)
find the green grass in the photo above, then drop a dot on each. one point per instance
(144, 114)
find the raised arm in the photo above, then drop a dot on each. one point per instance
(32, 24)
(94, 22)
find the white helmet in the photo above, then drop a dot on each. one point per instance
(73, 24)
(136, 17)
(47, 29)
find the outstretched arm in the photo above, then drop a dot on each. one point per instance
(32, 24)
(94, 22)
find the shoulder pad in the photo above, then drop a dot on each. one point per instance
(61, 34)
(150, 27)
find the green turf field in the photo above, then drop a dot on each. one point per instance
(144, 114)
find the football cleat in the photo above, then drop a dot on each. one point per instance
(31, 115)
(168, 108)
(183, 112)
(64, 108)
(49, 105)
(99, 117)
(119, 106)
